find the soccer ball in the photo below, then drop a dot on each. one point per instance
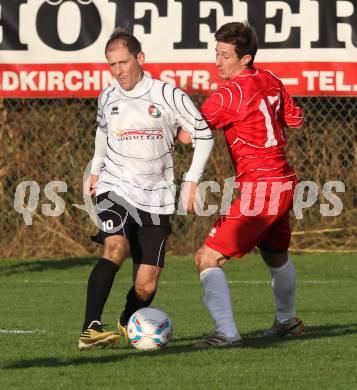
(149, 328)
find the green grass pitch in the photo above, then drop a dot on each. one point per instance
(41, 312)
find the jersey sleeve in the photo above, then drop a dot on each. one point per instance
(200, 157)
(292, 112)
(101, 120)
(100, 152)
(186, 115)
(222, 107)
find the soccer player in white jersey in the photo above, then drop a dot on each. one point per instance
(139, 119)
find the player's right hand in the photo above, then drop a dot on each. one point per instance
(91, 184)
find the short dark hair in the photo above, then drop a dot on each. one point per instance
(242, 36)
(133, 45)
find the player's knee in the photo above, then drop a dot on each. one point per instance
(275, 260)
(145, 290)
(116, 248)
(206, 258)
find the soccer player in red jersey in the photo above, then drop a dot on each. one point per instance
(252, 108)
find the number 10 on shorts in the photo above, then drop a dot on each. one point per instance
(107, 225)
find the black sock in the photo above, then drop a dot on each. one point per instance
(133, 303)
(99, 285)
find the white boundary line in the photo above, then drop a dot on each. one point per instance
(54, 282)
(22, 331)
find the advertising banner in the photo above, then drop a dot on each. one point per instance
(55, 48)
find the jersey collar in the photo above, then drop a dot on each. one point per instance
(247, 72)
(140, 89)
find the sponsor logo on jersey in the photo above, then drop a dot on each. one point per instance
(115, 110)
(139, 134)
(154, 111)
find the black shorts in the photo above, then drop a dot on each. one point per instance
(147, 233)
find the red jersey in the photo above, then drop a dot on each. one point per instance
(253, 108)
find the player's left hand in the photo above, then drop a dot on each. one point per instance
(189, 196)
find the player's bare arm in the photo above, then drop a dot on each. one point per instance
(184, 136)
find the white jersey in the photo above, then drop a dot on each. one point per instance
(141, 126)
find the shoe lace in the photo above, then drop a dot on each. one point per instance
(98, 326)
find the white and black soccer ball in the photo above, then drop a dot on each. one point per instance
(149, 328)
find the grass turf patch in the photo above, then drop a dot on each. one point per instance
(42, 308)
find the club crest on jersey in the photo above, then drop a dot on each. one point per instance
(154, 111)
